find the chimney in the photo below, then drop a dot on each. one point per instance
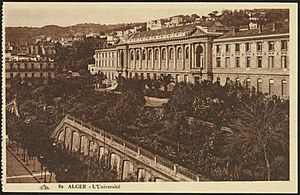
(260, 28)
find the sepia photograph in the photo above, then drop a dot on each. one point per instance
(105, 96)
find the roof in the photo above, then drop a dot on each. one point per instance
(174, 32)
(164, 31)
(281, 28)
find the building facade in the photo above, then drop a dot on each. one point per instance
(180, 51)
(255, 57)
(31, 72)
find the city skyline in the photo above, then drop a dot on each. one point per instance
(25, 15)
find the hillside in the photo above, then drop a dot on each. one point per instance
(28, 34)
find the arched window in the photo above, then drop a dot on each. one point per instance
(137, 55)
(228, 81)
(259, 85)
(156, 55)
(187, 52)
(122, 59)
(144, 55)
(179, 54)
(271, 86)
(150, 55)
(171, 54)
(284, 88)
(163, 55)
(131, 56)
(199, 56)
(248, 82)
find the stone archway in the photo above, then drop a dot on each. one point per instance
(143, 175)
(68, 138)
(61, 136)
(84, 144)
(115, 162)
(199, 56)
(127, 169)
(93, 149)
(75, 141)
(102, 152)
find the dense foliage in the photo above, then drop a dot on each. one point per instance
(188, 130)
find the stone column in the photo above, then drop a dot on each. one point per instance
(183, 57)
(129, 59)
(153, 51)
(159, 57)
(134, 59)
(175, 57)
(71, 141)
(146, 59)
(125, 60)
(167, 58)
(205, 55)
(65, 132)
(192, 56)
(120, 171)
(118, 60)
(140, 58)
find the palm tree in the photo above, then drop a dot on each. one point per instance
(165, 80)
(260, 133)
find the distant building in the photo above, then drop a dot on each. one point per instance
(47, 49)
(256, 58)
(120, 33)
(31, 72)
(176, 20)
(212, 26)
(155, 25)
(111, 40)
(92, 35)
(67, 41)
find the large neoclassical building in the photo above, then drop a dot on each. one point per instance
(254, 57)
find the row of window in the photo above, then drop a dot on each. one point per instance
(284, 46)
(271, 64)
(106, 55)
(31, 66)
(28, 75)
(284, 87)
(106, 63)
(155, 76)
(284, 91)
(271, 86)
(171, 55)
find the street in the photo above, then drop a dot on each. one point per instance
(16, 172)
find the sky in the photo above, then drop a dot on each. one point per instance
(66, 14)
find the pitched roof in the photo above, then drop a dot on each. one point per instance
(266, 30)
(184, 29)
